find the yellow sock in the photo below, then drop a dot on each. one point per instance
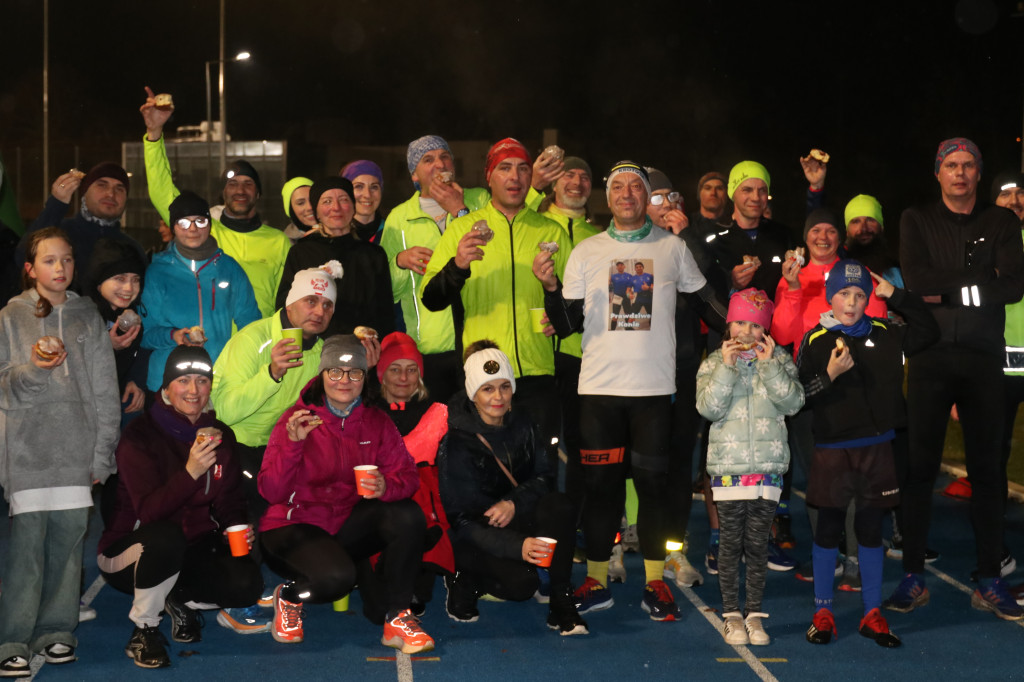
(654, 569)
(598, 570)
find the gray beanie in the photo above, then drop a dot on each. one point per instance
(342, 350)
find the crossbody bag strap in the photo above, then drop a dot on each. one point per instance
(504, 468)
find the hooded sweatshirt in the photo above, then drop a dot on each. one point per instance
(80, 397)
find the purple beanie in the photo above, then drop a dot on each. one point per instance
(354, 169)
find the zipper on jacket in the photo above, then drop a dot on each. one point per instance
(512, 259)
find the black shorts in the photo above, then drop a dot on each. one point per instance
(866, 474)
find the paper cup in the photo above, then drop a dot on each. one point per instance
(536, 315)
(341, 604)
(295, 334)
(237, 539)
(364, 472)
(545, 561)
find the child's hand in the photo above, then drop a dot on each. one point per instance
(841, 361)
(765, 348)
(122, 341)
(730, 350)
(883, 288)
(49, 364)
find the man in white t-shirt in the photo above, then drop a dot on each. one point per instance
(626, 382)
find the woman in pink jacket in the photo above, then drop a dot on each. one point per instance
(320, 528)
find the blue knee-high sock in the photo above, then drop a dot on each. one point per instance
(824, 563)
(871, 560)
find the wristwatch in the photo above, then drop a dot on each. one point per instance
(462, 212)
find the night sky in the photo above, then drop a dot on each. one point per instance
(685, 86)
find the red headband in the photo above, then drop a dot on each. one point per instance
(509, 148)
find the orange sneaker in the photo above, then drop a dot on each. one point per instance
(873, 626)
(403, 632)
(287, 627)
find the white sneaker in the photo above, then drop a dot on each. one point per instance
(85, 612)
(755, 629)
(631, 539)
(616, 569)
(678, 568)
(733, 629)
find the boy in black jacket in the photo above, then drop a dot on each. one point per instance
(851, 367)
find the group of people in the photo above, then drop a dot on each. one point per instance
(337, 397)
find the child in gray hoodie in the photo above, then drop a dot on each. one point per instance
(59, 418)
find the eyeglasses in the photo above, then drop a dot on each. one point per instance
(659, 199)
(201, 223)
(336, 374)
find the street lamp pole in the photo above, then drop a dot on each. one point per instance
(220, 95)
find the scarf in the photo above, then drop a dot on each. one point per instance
(176, 425)
(105, 222)
(630, 235)
(203, 252)
(241, 224)
(858, 330)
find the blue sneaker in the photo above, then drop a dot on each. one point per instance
(778, 560)
(711, 559)
(659, 602)
(909, 594)
(995, 597)
(245, 621)
(592, 596)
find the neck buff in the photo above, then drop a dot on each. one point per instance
(860, 329)
(105, 222)
(241, 224)
(630, 235)
(207, 249)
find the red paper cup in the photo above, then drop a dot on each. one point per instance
(238, 539)
(545, 561)
(365, 472)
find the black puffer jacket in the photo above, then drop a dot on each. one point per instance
(471, 480)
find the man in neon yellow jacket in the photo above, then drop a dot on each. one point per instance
(259, 249)
(259, 374)
(487, 277)
(411, 232)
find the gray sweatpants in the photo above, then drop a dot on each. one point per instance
(744, 526)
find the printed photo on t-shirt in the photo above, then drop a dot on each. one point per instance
(630, 294)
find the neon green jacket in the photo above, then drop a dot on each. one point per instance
(501, 288)
(577, 229)
(244, 394)
(407, 226)
(1014, 332)
(261, 253)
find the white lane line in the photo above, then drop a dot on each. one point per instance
(404, 665)
(716, 622)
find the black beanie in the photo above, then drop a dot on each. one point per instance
(242, 167)
(332, 182)
(188, 203)
(107, 169)
(824, 215)
(1007, 180)
(113, 257)
(187, 360)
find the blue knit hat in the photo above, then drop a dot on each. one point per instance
(848, 273)
(419, 147)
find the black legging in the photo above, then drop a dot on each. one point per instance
(685, 425)
(323, 567)
(515, 579)
(567, 376)
(147, 557)
(867, 523)
(622, 435)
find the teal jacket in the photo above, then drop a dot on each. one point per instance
(261, 253)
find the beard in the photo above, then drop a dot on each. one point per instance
(875, 254)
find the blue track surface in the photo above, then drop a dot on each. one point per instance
(943, 640)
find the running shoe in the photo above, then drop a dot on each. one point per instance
(778, 560)
(909, 594)
(58, 653)
(616, 569)
(563, 616)
(287, 627)
(148, 648)
(823, 627)
(592, 596)
(995, 597)
(186, 625)
(659, 602)
(246, 620)
(755, 629)
(678, 568)
(734, 632)
(711, 559)
(873, 626)
(404, 632)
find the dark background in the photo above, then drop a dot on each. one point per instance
(684, 86)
